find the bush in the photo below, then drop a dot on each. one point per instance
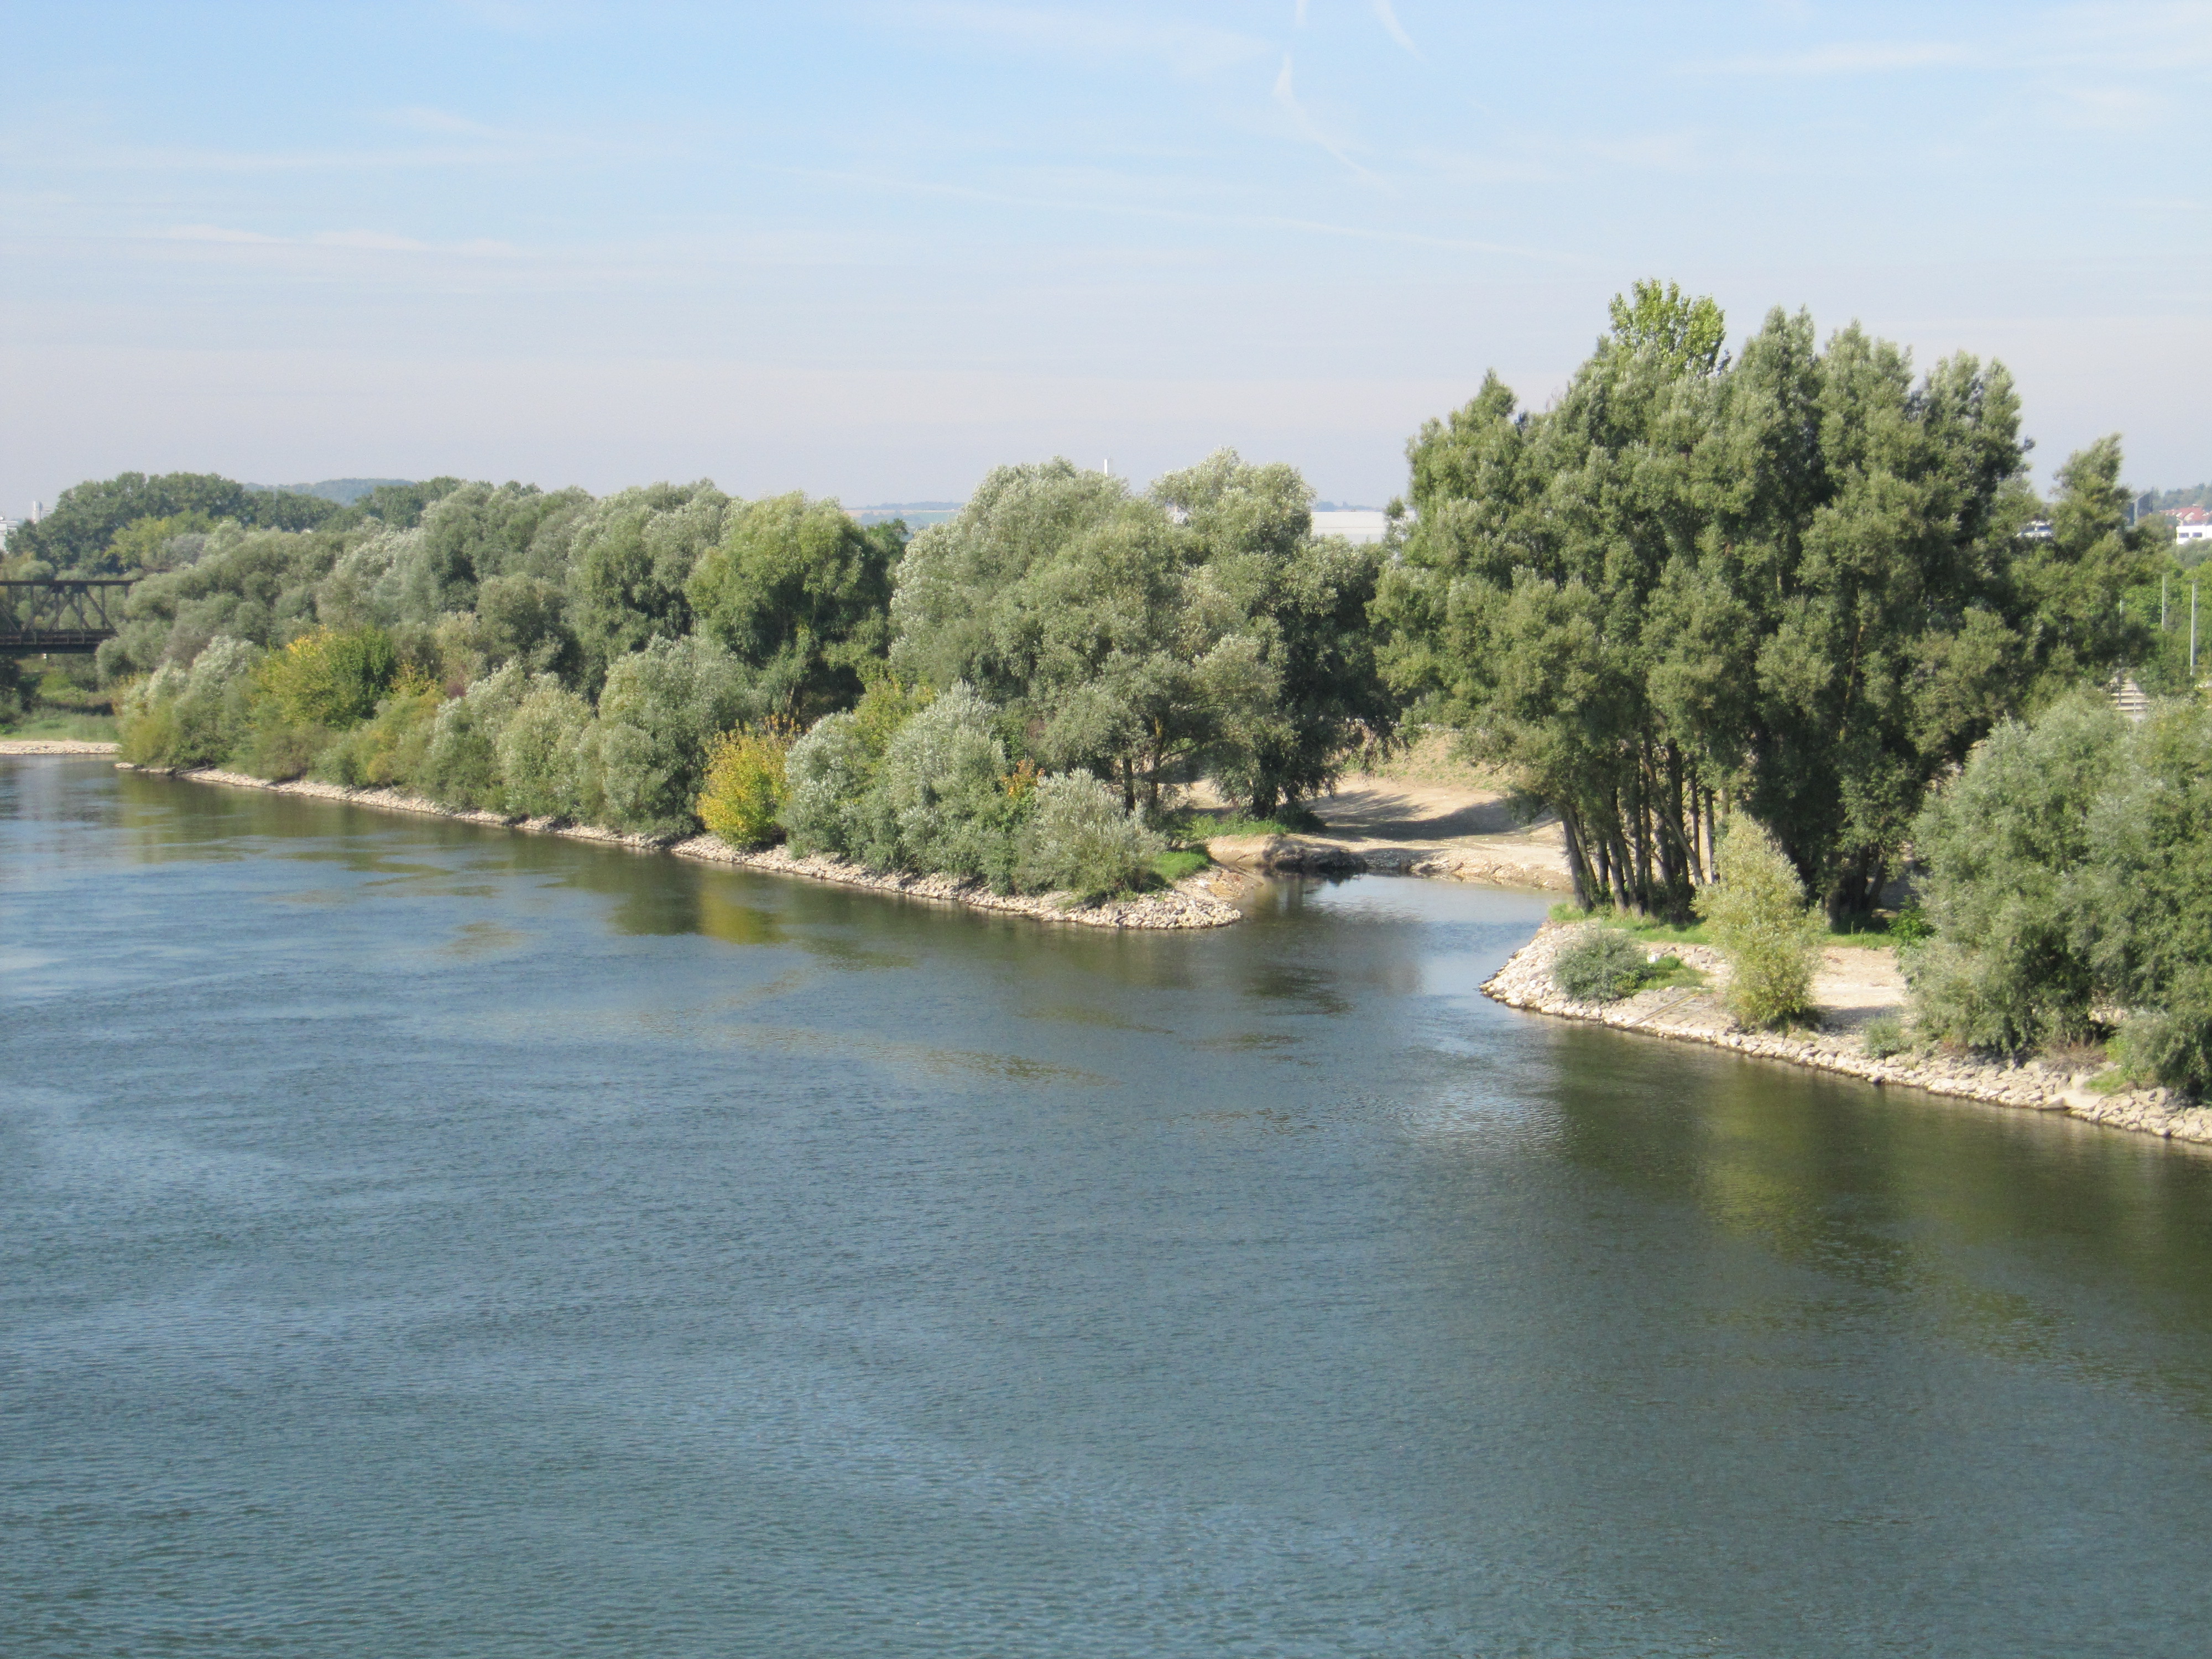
(2007, 849)
(1080, 839)
(1911, 925)
(1600, 965)
(833, 805)
(1760, 922)
(660, 711)
(746, 787)
(548, 754)
(941, 785)
(388, 747)
(11, 691)
(460, 765)
(330, 678)
(1885, 1036)
(199, 716)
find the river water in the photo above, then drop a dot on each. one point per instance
(419, 1239)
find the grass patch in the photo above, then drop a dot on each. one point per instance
(59, 725)
(1908, 928)
(1670, 971)
(1170, 868)
(1648, 928)
(1198, 825)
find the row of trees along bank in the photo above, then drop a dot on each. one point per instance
(1797, 584)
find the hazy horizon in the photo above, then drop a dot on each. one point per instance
(873, 250)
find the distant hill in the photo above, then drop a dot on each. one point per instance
(345, 491)
(2165, 501)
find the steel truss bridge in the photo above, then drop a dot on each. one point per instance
(61, 615)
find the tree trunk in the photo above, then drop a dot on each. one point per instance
(1578, 866)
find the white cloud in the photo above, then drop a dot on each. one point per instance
(1286, 95)
(1389, 18)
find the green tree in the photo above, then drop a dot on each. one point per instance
(75, 537)
(1796, 579)
(802, 593)
(632, 555)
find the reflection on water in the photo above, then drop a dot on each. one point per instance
(419, 1238)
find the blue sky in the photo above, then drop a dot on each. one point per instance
(872, 250)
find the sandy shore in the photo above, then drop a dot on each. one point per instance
(1206, 899)
(52, 746)
(1853, 987)
(1443, 828)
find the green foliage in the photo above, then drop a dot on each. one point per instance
(388, 748)
(1795, 579)
(743, 800)
(12, 701)
(196, 716)
(1202, 629)
(1884, 1036)
(2009, 853)
(1650, 929)
(1081, 841)
(1759, 919)
(332, 676)
(461, 764)
(1600, 965)
(76, 538)
(548, 754)
(1286, 820)
(1177, 864)
(1911, 925)
(802, 593)
(2146, 903)
(941, 790)
(660, 712)
(632, 555)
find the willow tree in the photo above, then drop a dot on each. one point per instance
(1796, 581)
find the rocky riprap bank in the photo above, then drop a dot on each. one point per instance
(1695, 1015)
(1190, 903)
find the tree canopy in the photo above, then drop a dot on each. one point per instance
(1796, 581)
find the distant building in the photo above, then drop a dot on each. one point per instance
(2191, 523)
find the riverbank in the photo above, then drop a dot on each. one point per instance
(1205, 899)
(54, 746)
(1694, 1014)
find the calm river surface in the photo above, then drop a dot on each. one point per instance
(422, 1240)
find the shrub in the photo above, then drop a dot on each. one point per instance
(2007, 850)
(1760, 922)
(11, 691)
(1600, 965)
(199, 716)
(1885, 1036)
(1080, 839)
(330, 677)
(460, 765)
(660, 711)
(941, 784)
(746, 786)
(548, 754)
(1911, 925)
(833, 805)
(389, 747)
